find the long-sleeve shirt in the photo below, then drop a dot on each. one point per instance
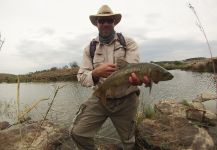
(108, 53)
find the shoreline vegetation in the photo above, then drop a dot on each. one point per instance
(54, 74)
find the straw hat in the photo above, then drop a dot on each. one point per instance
(105, 11)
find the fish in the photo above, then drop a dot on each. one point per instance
(120, 77)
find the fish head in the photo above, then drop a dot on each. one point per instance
(160, 74)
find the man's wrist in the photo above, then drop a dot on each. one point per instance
(94, 77)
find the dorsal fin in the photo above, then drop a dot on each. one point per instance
(121, 63)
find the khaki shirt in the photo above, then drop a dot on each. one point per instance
(108, 53)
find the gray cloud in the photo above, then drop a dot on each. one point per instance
(45, 55)
(169, 49)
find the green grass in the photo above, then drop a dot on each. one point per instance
(185, 103)
(147, 112)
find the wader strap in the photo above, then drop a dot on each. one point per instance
(93, 46)
(122, 42)
(92, 49)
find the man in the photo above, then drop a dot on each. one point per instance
(121, 106)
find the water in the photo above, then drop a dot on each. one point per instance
(184, 85)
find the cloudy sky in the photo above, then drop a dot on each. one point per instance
(40, 34)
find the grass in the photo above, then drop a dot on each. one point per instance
(185, 103)
(147, 112)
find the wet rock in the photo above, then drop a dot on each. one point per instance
(4, 125)
(177, 127)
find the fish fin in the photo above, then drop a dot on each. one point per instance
(101, 95)
(150, 86)
(156, 82)
(121, 63)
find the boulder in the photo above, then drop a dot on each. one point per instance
(176, 127)
(33, 136)
(205, 96)
(4, 125)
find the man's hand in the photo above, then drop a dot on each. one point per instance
(134, 80)
(104, 70)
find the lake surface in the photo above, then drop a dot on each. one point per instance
(184, 86)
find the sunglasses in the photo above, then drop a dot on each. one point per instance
(102, 21)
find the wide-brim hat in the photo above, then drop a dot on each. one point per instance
(105, 11)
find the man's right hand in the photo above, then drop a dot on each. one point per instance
(104, 70)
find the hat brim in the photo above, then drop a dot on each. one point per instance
(93, 18)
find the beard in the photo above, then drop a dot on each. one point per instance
(106, 31)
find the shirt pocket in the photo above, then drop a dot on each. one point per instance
(98, 60)
(119, 53)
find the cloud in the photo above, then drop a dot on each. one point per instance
(66, 49)
(152, 18)
(173, 49)
(57, 51)
(46, 31)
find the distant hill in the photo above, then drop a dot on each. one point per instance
(7, 77)
(196, 58)
(197, 64)
(52, 75)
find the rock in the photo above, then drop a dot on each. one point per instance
(4, 125)
(202, 141)
(33, 137)
(206, 96)
(177, 127)
(197, 105)
(110, 147)
(170, 107)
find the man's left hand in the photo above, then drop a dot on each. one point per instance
(134, 80)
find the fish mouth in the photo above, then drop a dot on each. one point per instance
(167, 76)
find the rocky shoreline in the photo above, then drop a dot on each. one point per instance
(175, 126)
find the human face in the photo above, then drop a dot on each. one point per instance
(105, 26)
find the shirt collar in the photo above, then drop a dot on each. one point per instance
(115, 38)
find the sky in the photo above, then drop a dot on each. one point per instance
(40, 34)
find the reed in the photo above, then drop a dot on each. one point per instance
(18, 98)
(52, 101)
(18, 105)
(1, 42)
(200, 26)
(30, 108)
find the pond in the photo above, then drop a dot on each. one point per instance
(184, 86)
